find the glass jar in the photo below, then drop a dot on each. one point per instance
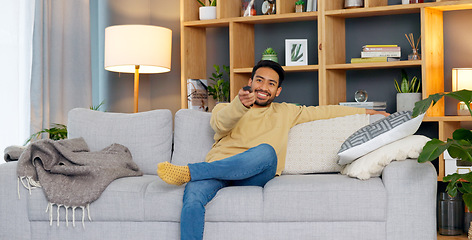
(450, 214)
(414, 55)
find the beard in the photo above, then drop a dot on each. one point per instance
(264, 103)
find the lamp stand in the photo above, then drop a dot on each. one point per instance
(136, 87)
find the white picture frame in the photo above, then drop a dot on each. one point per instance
(296, 52)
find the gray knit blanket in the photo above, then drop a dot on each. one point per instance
(70, 175)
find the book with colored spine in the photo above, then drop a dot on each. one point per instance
(381, 49)
(380, 45)
(374, 59)
(366, 105)
(381, 54)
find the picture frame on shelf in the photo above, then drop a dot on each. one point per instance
(296, 52)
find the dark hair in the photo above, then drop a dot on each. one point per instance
(270, 64)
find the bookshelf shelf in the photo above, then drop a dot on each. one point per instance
(376, 65)
(330, 25)
(307, 68)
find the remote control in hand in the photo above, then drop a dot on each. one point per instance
(247, 88)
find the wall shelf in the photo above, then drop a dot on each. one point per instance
(330, 25)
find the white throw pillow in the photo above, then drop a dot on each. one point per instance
(373, 163)
(312, 146)
(377, 134)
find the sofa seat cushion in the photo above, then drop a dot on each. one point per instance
(324, 197)
(163, 202)
(122, 200)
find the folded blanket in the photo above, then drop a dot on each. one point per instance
(69, 174)
(12, 153)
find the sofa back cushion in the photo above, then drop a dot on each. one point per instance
(148, 135)
(312, 147)
(193, 136)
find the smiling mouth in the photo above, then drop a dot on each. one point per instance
(263, 94)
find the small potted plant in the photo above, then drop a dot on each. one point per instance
(270, 54)
(207, 12)
(220, 89)
(408, 93)
(299, 6)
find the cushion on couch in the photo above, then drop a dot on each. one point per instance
(193, 136)
(312, 147)
(373, 163)
(148, 135)
(377, 134)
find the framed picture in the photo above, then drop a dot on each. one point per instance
(296, 52)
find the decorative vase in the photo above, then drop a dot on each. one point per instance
(406, 101)
(467, 220)
(414, 55)
(272, 57)
(450, 214)
(298, 8)
(206, 13)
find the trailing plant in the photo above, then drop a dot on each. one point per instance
(269, 51)
(299, 2)
(219, 90)
(212, 3)
(407, 86)
(460, 146)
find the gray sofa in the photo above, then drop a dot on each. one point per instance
(401, 204)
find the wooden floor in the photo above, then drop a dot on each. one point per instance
(461, 237)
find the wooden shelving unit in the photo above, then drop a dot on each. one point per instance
(329, 22)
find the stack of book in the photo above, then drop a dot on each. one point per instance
(379, 53)
(380, 106)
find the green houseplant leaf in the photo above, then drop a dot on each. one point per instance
(220, 89)
(460, 146)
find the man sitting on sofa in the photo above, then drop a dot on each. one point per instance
(250, 145)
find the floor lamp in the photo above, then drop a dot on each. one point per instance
(137, 49)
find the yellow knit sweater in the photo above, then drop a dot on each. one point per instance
(238, 128)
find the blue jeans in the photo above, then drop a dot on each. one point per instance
(254, 167)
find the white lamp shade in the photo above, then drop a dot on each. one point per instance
(126, 46)
(461, 79)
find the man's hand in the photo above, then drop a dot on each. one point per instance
(373, 112)
(246, 97)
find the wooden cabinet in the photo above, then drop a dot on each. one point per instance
(330, 22)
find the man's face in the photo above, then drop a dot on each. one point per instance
(265, 85)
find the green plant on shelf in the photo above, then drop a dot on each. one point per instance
(299, 2)
(269, 51)
(406, 85)
(212, 3)
(219, 90)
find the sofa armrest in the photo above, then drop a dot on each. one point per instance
(411, 193)
(14, 222)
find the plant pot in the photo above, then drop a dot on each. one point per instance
(298, 8)
(206, 13)
(406, 101)
(272, 57)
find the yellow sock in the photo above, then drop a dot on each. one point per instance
(172, 174)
